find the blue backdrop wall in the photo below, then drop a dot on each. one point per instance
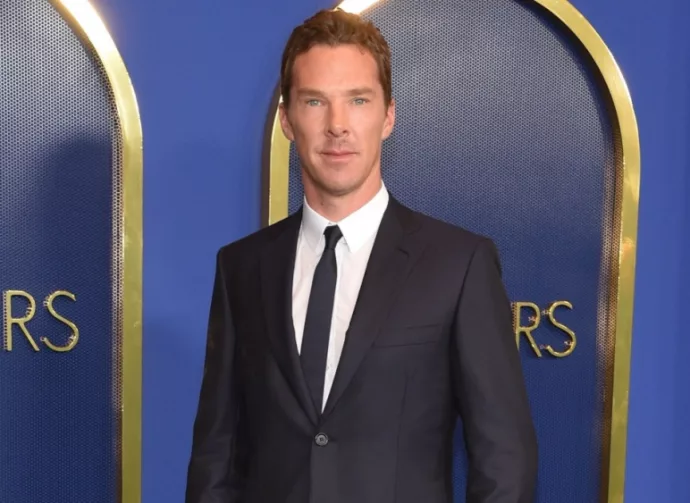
(204, 73)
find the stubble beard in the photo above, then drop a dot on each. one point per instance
(336, 190)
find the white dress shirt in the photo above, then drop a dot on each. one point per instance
(352, 255)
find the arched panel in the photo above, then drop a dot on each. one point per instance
(70, 242)
(514, 121)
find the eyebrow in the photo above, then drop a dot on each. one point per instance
(359, 91)
(309, 92)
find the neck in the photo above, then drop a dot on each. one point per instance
(337, 207)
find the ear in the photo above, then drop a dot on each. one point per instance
(389, 120)
(285, 122)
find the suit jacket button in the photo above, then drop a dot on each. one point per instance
(321, 439)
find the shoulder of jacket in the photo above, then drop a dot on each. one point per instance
(440, 232)
(251, 245)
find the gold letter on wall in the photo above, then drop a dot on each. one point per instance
(21, 322)
(569, 344)
(74, 338)
(519, 329)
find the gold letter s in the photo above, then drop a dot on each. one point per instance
(569, 344)
(74, 338)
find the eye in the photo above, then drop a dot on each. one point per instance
(360, 101)
(313, 103)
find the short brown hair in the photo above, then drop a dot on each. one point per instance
(333, 28)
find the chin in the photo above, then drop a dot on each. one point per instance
(339, 190)
(337, 182)
(339, 187)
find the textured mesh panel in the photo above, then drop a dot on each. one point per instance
(501, 128)
(59, 201)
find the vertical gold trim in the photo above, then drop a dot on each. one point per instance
(630, 145)
(626, 123)
(87, 24)
(278, 178)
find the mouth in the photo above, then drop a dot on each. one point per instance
(338, 155)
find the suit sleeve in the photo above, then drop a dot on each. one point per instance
(489, 388)
(217, 464)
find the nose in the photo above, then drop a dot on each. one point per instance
(337, 120)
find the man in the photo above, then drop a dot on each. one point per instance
(345, 340)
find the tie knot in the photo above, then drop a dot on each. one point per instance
(333, 235)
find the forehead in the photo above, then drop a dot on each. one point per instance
(342, 65)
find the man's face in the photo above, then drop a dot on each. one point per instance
(337, 118)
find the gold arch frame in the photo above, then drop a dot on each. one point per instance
(275, 208)
(87, 24)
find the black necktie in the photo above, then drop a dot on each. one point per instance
(317, 326)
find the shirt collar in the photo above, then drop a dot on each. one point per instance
(356, 227)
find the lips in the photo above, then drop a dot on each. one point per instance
(338, 153)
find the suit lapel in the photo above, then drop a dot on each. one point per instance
(277, 269)
(390, 262)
